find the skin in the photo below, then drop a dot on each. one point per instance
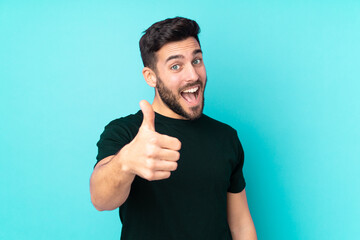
(184, 70)
(239, 218)
(154, 156)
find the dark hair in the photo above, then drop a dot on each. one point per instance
(163, 32)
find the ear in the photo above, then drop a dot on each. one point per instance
(149, 76)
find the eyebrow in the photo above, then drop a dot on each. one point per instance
(196, 51)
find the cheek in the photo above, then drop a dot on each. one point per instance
(174, 82)
(201, 73)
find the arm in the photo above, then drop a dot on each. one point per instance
(110, 183)
(149, 155)
(239, 218)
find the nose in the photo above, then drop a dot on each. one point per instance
(191, 74)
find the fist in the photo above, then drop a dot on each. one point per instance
(151, 155)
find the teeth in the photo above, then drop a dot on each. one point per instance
(191, 90)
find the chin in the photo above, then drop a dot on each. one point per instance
(194, 113)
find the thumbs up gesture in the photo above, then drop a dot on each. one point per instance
(149, 115)
(151, 155)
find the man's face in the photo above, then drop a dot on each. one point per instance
(181, 78)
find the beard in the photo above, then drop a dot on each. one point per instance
(172, 101)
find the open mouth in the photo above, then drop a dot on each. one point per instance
(191, 94)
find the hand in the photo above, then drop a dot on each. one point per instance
(151, 155)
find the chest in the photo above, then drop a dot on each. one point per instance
(206, 162)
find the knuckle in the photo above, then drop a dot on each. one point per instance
(150, 176)
(150, 151)
(178, 145)
(177, 155)
(150, 164)
(174, 166)
(148, 154)
(167, 174)
(153, 140)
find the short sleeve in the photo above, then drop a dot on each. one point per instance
(237, 180)
(114, 137)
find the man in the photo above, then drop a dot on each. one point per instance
(174, 172)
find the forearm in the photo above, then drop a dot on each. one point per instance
(246, 232)
(110, 184)
(239, 217)
(150, 155)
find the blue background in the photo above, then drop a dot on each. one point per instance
(285, 74)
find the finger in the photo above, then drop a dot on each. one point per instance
(162, 165)
(167, 154)
(157, 175)
(149, 115)
(168, 142)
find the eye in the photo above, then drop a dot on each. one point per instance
(197, 61)
(175, 67)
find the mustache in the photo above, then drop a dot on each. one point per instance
(197, 82)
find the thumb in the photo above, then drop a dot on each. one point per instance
(149, 115)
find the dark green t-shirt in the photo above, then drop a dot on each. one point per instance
(191, 204)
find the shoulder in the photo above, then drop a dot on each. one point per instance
(218, 126)
(223, 132)
(117, 134)
(129, 120)
(125, 126)
(226, 135)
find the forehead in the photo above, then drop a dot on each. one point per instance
(184, 47)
